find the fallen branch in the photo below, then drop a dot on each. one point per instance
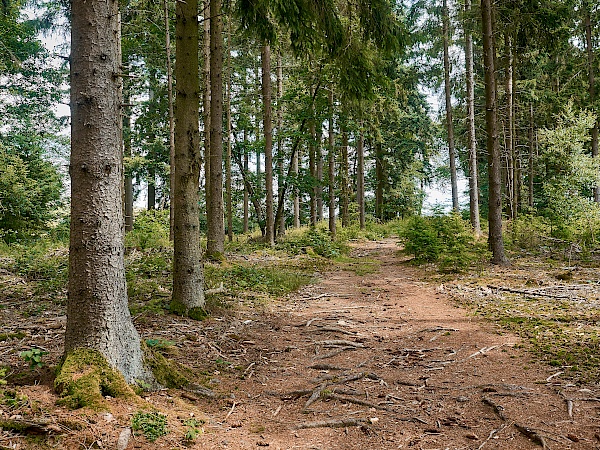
(532, 434)
(340, 343)
(334, 353)
(535, 293)
(341, 423)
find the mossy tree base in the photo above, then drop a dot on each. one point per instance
(85, 378)
(180, 309)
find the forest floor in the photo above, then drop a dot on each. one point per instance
(377, 355)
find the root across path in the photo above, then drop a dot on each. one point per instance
(385, 361)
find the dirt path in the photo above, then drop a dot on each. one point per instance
(415, 372)
(385, 357)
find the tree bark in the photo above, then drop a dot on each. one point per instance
(295, 172)
(591, 88)
(127, 154)
(246, 194)
(531, 155)
(171, 118)
(319, 162)
(449, 116)
(510, 147)
(471, 136)
(379, 175)
(268, 133)
(215, 236)
(188, 273)
(312, 163)
(97, 312)
(331, 161)
(360, 178)
(206, 98)
(496, 242)
(344, 180)
(280, 149)
(228, 181)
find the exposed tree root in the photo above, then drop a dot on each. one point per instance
(341, 423)
(533, 435)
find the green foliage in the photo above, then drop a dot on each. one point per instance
(44, 262)
(528, 232)
(150, 230)
(316, 240)
(34, 357)
(269, 280)
(446, 240)
(193, 429)
(152, 424)
(159, 344)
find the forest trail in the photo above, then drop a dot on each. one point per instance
(367, 357)
(395, 364)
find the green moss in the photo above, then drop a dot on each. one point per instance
(177, 307)
(7, 336)
(85, 378)
(166, 372)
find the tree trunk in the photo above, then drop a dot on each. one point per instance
(312, 164)
(206, 99)
(496, 242)
(319, 158)
(246, 199)
(127, 153)
(448, 92)
(215, 236)
(592, 88)
(97, 312)
(360, 178)
(268, 132)
(471, 137)
(188, 273)
(331, 157)
(344, 180)
(531, 154)
(510, 147)
(295, 172)
(280, 149)
(228, 187)
(379, 175)
(171, 118)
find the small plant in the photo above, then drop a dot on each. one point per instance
(152, 424)
(192, 429)
(3, 371)
(159, 344)
(34, 357)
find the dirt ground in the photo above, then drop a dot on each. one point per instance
(374, 361)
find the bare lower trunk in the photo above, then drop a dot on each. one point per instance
(312, 149)
(128, 179)
(246, 199)
(379, 175)
(471, 137)
(449, 117)
(188, 274)
(331, 161)
(206, 98)
(344, 180)
(295, 171)
(319, 193)
(510, 147)
(228, 187)
(215, 235)
(268, 132)
(531, 155)
(495, 183)
(360, 179)
(97, 312)
(591, 86)
(280, 149)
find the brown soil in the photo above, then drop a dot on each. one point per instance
(412, 370)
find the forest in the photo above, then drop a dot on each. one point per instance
(207, 206)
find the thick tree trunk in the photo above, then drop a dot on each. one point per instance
(188, 273)
(280, 149)
(268, 132)
(591, 86)
(228, 181)
(331, 161)
(206, 98)
(97, 312)
(471, 137)
(360, 178)
(496, 242)
(344, 180)
(449, 116)
(171, 118)
(215, 236)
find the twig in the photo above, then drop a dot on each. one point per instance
(230, 411)
(341, 423)
(315, 395)
(339, 343)
(554, 375)
(355, 401)
(334, 353)
(569, 403)
(533, 293)
(497, 408)
(491, 435)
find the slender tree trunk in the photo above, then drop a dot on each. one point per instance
(531, 155)
(128, 179)
(344, 180)
(331, 161)
(206, 101)
(171, 117)
(495, 183)
(246, 199)
(319, 158)
(151, 200)
(97, 312)
(360, 178)
(471, 137)
(296, 171)
(215, 236)
(268, 132)
(511, 157)
(228, 187)
(379, 175)
(188, 273)
(257, 123)
(280, 149)
(592, 88)
(448, 92)
(312, 164)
